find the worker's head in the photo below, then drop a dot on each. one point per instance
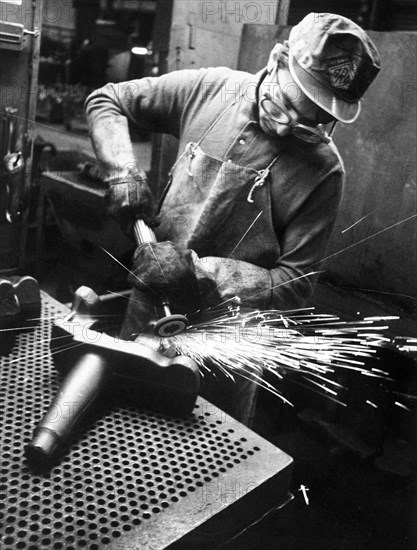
(317, 77)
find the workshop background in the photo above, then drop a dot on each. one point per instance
(359, 463)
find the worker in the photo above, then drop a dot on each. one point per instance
(253, 195)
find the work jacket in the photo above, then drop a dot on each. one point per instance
(302, 190)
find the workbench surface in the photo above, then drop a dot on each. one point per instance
(130, 478)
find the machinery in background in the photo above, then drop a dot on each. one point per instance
(19, 59)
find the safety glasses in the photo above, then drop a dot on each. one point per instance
(277, 111)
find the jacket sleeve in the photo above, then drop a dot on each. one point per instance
(152, 104)
(289, 284)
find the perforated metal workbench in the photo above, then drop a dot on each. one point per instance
(133, 479)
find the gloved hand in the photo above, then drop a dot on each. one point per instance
(165, 269)
(130, 198)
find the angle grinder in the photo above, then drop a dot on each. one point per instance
(170, 324)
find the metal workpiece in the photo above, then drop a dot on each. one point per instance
(92, 360)
(130, 479)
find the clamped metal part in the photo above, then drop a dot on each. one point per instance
(170, 324)
(93, 361)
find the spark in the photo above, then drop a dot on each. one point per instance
(249, 343)
(325, 388)
(382, 292)
(384, 373)
(36, 123)
(16, 329)
(367, 238)
(406, 344)
(356, 223)
(129, 271)
(233, 299)
(121, 294)
(298, 345)
(237, 245)
(310, 274)
(158, 262)
(312, 348)
(39, 356)
(304, 346)
(408, 395)
(31, 324)
(41, 341)
(408, 349)
(246, 232)
(402, 406)
(304, 489)
(372, 404)
(320, 393)
(382, 318)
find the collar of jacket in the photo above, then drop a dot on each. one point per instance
(260, 75)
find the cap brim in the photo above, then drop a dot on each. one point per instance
(322, 96)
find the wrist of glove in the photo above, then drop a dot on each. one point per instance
(165, 269)
(129, 199)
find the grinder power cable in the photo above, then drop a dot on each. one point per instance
(170, 324)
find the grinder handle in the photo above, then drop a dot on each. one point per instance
(143, 233)
(169, 324)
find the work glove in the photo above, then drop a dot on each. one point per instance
(130, 198)
(166, 270)
(127, 198)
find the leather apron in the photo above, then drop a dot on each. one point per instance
(218, 208)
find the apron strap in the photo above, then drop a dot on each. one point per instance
(213, 124)
(190, 152)
(261, 178)
(190, 147)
